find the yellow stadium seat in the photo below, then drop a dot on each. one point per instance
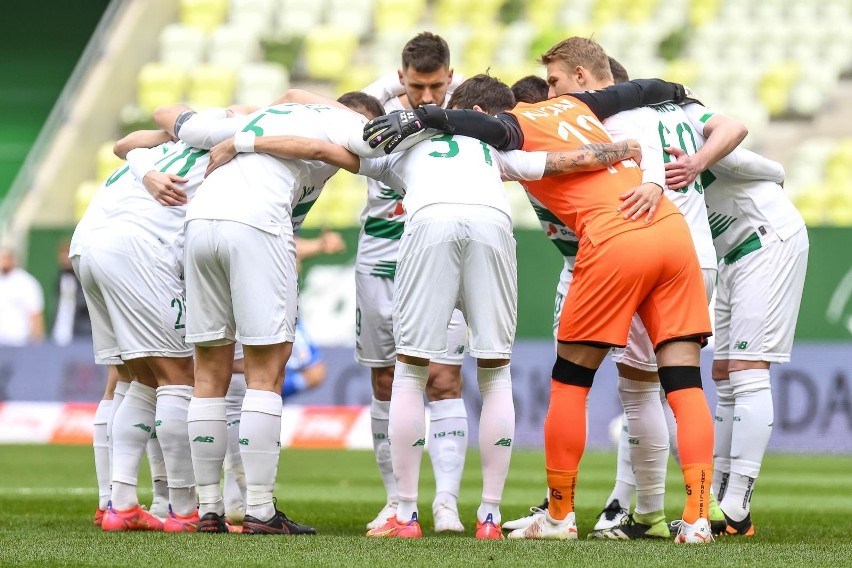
(774, 87)
(107, 161)
(160, 84)
(328, 52)
(702, 12)
(398, 14)
(203, 14)
(211, 86)
(83, 196)
(254, 15)
(356, 78)
(684, 71)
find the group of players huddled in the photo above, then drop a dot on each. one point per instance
(187, 256)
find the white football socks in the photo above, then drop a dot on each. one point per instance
(379, 415)
(722, 433)
(447, 447)
(207, 440)
(117, 398)
(100, 444)
(131, 431)
(625, 482)
(260, 448)
(648, 441)
(173, 433)
(496, 436)
(159, 479)
(235, 476)
(753, 419)
(407, 431)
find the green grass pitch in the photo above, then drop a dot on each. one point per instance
(801, 511)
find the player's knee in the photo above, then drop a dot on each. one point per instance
(720, 370)
(749, 381)
(568, 373)
(679, 378)
(444, 382)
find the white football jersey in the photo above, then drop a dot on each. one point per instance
(656, 127)
(261, 190)
(383, 218)
(124, 203)
(746, 204)
(456, 170)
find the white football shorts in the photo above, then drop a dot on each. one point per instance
(374, 343)
(241, 284)
(135, 296)
(758, 299)
(456, 256)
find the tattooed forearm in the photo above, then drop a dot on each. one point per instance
(587, 157)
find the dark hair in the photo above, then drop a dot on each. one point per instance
(490, 93)
(619, 73)
(367, 105)
(426, 53)
(530, 89)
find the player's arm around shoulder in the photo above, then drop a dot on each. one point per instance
(140, 139)
(590, 157)
(285, 147)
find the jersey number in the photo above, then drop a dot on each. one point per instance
(681, 129)
(453, 148)
(181, 306)
(253, 127)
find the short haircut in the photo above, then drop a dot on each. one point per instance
(580, 52)
(491, 94)
(367, 105)
(530, 89)
(619, 73)
(426, 53)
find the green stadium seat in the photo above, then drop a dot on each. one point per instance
(160, 84)
(203, 14)
(211, 86)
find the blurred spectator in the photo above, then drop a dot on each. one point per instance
(21, 303)
(72, 316)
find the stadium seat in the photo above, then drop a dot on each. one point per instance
(254, 15)
(328, 52)
(107, 161)
(260, 83)
(83, 196)
(181, 45)
(398, 14)
(211, 86)
(297, 17)
(160, 84)
(230, 46)
(356, 15)
(358, 76)
(203, 14)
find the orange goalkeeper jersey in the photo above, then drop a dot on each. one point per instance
(587, 201)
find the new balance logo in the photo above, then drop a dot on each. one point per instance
(459, 350)
(204, 439)
(244, 441)
(143, 427)
(420, 442)
(741, 345)
(505, 442)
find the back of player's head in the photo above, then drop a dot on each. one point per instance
(362, 103)
(426, 53)
(619, 73)
(579, 52)
(530, 89)
(491, 94)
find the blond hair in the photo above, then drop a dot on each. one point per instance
(580, 52)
